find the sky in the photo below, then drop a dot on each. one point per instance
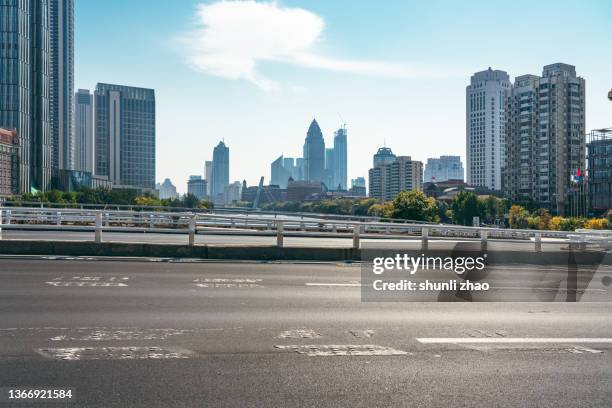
(255, 74)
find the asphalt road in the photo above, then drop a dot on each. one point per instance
(191, 334)
(226, 238)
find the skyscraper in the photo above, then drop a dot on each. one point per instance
(220, 169)
(61, 21)
(314, 153)
(545, 146)
(208, 175)
(485, 127)
(384, 155)
(125, 134)
(24, 94)
(443, 168)
(328, 179)
(83, 131)
(279, 174)
(340, 158)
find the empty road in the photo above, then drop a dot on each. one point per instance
(141, 333)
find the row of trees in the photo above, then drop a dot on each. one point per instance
(409, 205)
(105, 196)
(520, 217)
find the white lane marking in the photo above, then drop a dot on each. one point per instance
(298, 334)
(514, 340)
(228, 283)
(114, 353)
(320, 350)
(89, 281)
(348, 285)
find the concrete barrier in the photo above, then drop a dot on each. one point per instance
(263, 253)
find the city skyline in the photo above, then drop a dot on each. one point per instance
(384, 101)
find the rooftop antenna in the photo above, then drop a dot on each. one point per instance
(342, 122)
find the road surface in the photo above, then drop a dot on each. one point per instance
(185, 334)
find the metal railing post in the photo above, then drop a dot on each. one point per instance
(58, 219)
(98, 228)
(483, 240)
(192, 230)
(279, 234)
(356, 231)
(8, 217)
(1, 223)
(424, 239)
(538, 242)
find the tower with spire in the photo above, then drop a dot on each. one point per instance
(314, 153)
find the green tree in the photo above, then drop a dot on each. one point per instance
(465, 206)
(518, 217)
(415, 205)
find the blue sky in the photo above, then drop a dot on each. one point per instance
(257, 73)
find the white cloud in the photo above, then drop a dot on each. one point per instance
(232, 37)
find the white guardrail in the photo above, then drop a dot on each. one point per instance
(100, 221)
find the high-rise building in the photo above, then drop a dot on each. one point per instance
(125, 134)
(340, 158)
(24, 87)
(417, 175)
(83, 131)
(167, 190)
(358, 187)
(289, 165)
(443, 168)
(61, 27)
(9, 162)
(220, 169)
(384, 155)
(232, 193)
(279, 174)
(208, 166)
(329, 179)
(196, 185)
(545, 137)
(314, 153)
(600, 170)
(485, 127)
(299, 169)
(388, 179)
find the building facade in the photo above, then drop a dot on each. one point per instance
(208, 175)
(358, 187)
(167, 190)
(545, 132)
(417, 175)
(9, 163)
(83, 131)
(125, 134)
(196, 185)
(485, 127)
(443, 168)
(61, 81)
(329, 178)
(220, 169)
(384, 155)
(24, 87)
(314, 153)
(280, 171)
(387, 180)
(600, 170)
(340, 159)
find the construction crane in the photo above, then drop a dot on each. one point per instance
(342, 121)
